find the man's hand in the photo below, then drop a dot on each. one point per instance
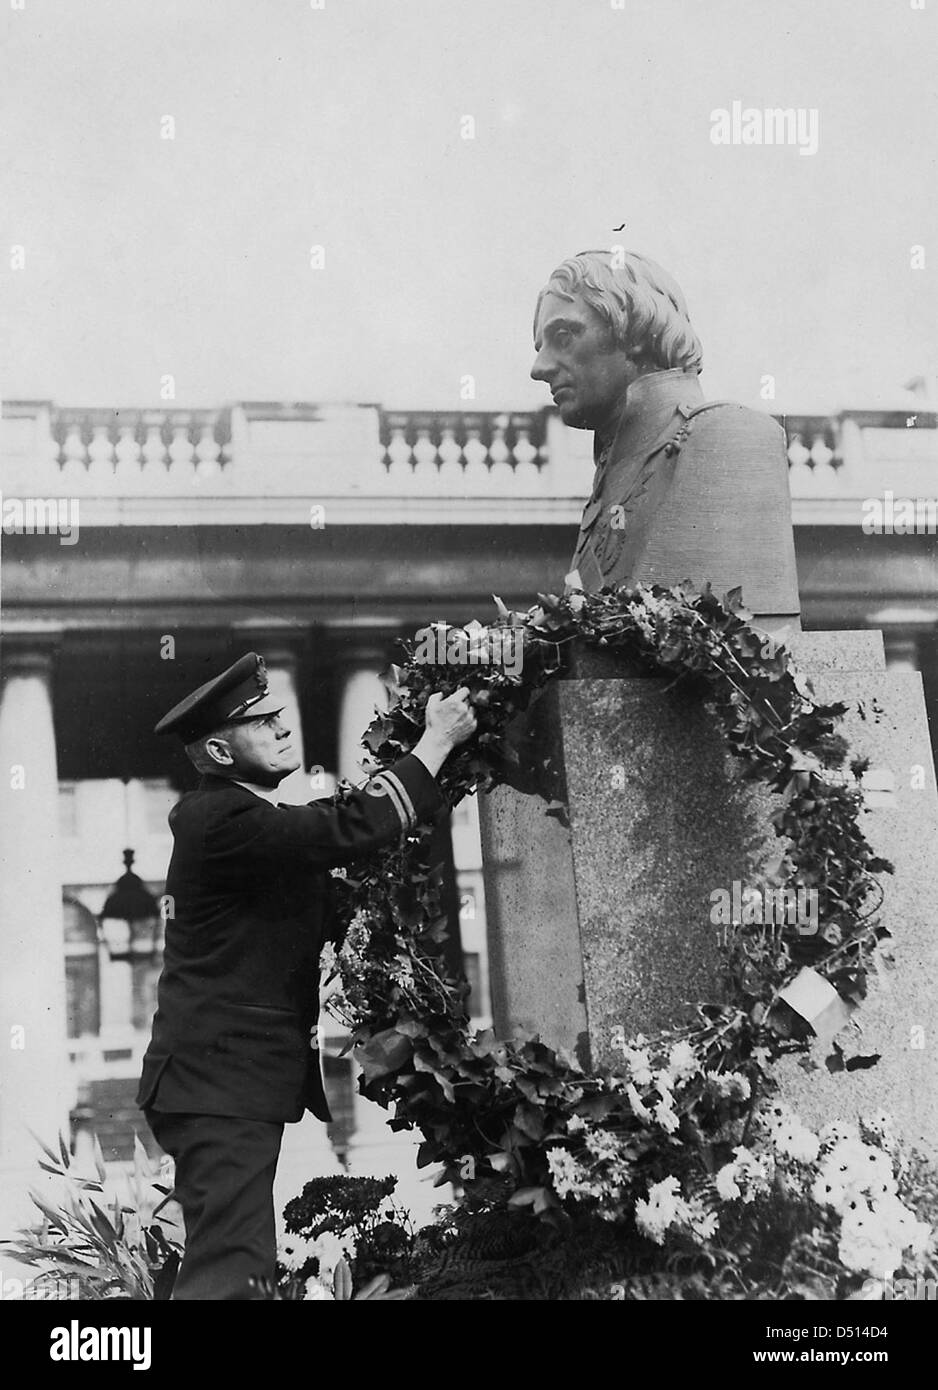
(449, 723)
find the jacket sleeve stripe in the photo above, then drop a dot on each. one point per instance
(383, 785)
(400, 799)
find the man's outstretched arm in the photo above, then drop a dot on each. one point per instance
(325, 835)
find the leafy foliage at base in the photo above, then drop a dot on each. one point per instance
(103, 1247)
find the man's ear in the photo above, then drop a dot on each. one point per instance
(219, 750)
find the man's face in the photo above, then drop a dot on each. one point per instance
(588, 374)
(260, 751)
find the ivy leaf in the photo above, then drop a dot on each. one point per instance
(530, 1121)
(540, 1198)
(422, 1064)
(385, 1052)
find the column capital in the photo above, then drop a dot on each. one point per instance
(902, 650)
(30, 652)
(364, 648)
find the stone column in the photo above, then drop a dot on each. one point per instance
(360, 691)
(36, 1092)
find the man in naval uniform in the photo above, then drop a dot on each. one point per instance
(233, 1053)
(683, 489)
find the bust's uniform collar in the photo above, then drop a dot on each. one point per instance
(655, 398)
(675, 386)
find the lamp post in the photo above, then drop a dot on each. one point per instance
(128, 932)
(128, 924)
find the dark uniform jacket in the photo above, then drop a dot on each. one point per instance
(252, 903)
(692, 489)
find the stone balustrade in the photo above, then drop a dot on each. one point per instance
(291, 455)
(486, 452)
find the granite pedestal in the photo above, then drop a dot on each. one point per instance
(605, 922)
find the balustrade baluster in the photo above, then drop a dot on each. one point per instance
(449, 450)
(207, 452)
(101, 460)
(424, 449)
(75, 462)
(400, 473)
(127, 454)
(801, 480)
(182, 454)
(476, 454)
(154, 451)
(451, 480)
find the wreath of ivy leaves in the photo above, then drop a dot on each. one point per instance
(490, 1108)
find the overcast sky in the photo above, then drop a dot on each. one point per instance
(342, 127)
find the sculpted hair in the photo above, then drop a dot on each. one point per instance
(642, 305)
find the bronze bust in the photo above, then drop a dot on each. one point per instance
(684, 488)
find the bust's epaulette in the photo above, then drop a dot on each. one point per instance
(690, 413)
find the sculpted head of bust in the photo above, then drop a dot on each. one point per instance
(602, 320)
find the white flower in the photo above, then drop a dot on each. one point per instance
(726, 1183)
(828, 1192)
(666, 1117)
(878, 1188)
(639, 1109)
(601, 1144)
(639, 1065)
(790, 1136)
(562, 1164)
(865, 1244)
(569, 1177)
(702, 1222)
(663, 1207)
(900, 1224)
(777, 1116)
(797, 1142)
(729, 1085)
(318, 1293)
(838, 1132)
(867, 1258)
(294, 1251)
(851, 1163)
(682, 1060)
(745, 1177)
(873, 1237)
(330, 1250)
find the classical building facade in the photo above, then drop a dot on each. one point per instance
(145, 549)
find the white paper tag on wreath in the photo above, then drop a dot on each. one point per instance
(818, 1002)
